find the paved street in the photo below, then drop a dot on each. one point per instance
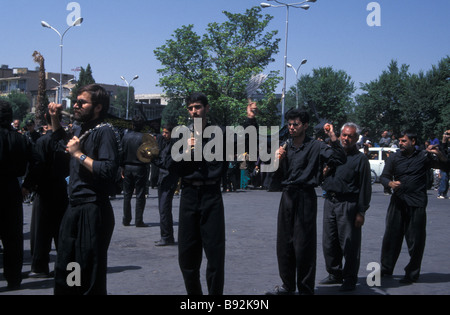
(137, 267)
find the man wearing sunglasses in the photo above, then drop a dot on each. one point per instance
(301, 165)
(88, 223)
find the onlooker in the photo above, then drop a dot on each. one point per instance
(385, 139)
(443, 174)
(134, 173)
(167, 183)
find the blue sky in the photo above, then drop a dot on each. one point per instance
(118, 37)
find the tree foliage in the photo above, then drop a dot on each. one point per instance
(84, 79)
(398, 100)
(326, 94)
(219, 64)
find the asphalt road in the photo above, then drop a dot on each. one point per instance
(137, 267)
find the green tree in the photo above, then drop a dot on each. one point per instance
(20, 104)
(220, 63)
(85, 78)
(327, 91)
(381, 106)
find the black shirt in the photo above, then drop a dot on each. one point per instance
(411, 171)
(101, 145)
(15, 154)
(353, 177)
(131, 142)
(303, 166)
(49, 168)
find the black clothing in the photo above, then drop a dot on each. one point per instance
(135, 177)
(301, 171)
(202, 220)
(351, 178)
(348, 192)
(406, 215)
(47, 177)
(411, 171)
(15, 152)
(167, 184)
(87, 225)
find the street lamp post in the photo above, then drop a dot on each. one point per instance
(128, 92)
(298, 5)
(45, 24)
(296, 79)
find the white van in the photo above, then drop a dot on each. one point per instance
(376, 157)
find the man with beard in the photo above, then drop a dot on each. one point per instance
(348, 193)
(301, 165)
(88, 223)
(406, 172)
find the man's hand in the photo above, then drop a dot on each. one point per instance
(329, 131)
(73, 147)
(359, 221)
(394, 184)
(280, 153)
(252, 110)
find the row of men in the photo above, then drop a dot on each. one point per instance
(88, 222)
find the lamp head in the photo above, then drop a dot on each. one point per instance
(78, 21)
(45, 24)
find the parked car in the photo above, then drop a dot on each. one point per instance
(377, 156)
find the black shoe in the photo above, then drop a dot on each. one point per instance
(280, 290)
(406, 280)
(347, 286)
(331, 280)
(142, 224)
(164, 243)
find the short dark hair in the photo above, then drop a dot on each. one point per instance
(296, 113)
(98, 96)
(410, 134)
(197, 97)
(168, 127)
(138, 123)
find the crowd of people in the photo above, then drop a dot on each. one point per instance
(77, 214)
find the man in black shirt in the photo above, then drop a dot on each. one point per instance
(167, 183)
(301, 165)
(202, 219)
(87, 225)
(47, 177)
(348, 193)
(406, 172)
(134, 173)
(15, 152)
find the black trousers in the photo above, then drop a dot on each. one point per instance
(403, 221)
(297, 239)
(165, 200)
(11, 230)
(135, 177)
(46, 217)
(202, 227)
(84, 238)
(341, 239)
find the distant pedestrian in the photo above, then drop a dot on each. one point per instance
(167, 183)
(135, 173)
(443, 174)
(406, 173)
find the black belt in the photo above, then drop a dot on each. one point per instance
(197, 183)
(341, 196)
